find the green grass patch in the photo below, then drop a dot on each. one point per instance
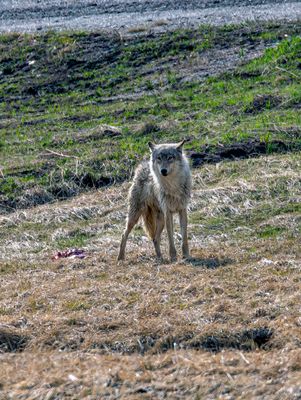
(10, 267)
(58, 88)
(77, 305)
(271, 232)
(75, 238)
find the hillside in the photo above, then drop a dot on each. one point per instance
(62, 93)
(77, 110)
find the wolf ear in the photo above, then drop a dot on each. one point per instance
(179, 146)
(151, 145)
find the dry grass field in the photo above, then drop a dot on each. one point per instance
(225, 325)
(76, 112)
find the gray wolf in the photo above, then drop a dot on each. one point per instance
(161, 187)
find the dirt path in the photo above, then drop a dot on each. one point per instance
(124, 15)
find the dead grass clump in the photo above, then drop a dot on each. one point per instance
(12, 341)
(146, 128)
(59, 336)
(97, 133)
(138, 29)
(160, 22)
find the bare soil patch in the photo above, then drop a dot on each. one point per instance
(247, 149)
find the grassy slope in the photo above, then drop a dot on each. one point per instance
(56, 90)
(225, 325)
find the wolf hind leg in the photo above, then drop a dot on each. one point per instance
(132, 220)
(154, 223)
(149, 220)
(183, 225)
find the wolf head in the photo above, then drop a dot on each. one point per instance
(166, 159)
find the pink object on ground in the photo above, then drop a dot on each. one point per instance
(73, 253)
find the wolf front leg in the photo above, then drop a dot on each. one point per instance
(183, 225)
(157, 238)
(169, 228)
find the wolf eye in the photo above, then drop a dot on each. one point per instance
(159, 158)
(170, 158)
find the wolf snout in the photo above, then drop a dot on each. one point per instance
(164, 171)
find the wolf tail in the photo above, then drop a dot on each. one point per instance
(150, 221)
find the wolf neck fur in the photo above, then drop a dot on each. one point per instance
(172, 191)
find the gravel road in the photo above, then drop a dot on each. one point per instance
(137, 15)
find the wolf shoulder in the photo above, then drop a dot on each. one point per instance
(142, 188)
